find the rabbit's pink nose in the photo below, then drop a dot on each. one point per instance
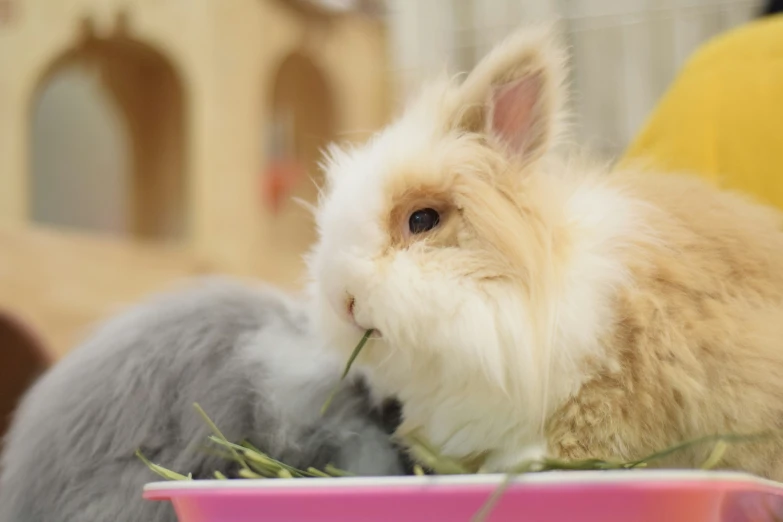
(349, 303)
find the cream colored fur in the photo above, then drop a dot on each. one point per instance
(557, 309)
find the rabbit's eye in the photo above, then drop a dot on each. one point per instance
(423, 220)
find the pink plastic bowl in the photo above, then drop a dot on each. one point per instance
(607, 496)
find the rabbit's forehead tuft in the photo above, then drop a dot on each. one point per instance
(366, 180)
(416, 162)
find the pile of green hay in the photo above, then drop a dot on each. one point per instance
(255, 464)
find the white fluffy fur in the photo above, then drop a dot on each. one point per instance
(462, 357)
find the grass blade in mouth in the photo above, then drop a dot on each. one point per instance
(348, 365)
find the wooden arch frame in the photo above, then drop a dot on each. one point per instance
(151, 95)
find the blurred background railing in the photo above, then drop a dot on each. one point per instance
(625, 52)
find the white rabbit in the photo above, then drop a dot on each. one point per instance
(532, 303)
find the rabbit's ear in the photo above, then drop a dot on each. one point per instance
(516, 93)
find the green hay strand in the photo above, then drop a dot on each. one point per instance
(428, 457)
(160, 470)
(260, 459)
(334, 472)
(715, 457)
(219, 434)
(255, 463)
(248, 474)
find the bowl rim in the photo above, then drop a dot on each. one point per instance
(553, 478)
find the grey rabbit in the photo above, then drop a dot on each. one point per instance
(245, 354)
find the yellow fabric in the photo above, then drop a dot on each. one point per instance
(722, 118)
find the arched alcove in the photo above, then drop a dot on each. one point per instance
(107, 144)
(301, 124)
(22, 360)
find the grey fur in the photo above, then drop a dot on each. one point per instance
(244, 354)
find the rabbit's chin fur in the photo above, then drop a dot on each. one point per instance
(557, 308)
